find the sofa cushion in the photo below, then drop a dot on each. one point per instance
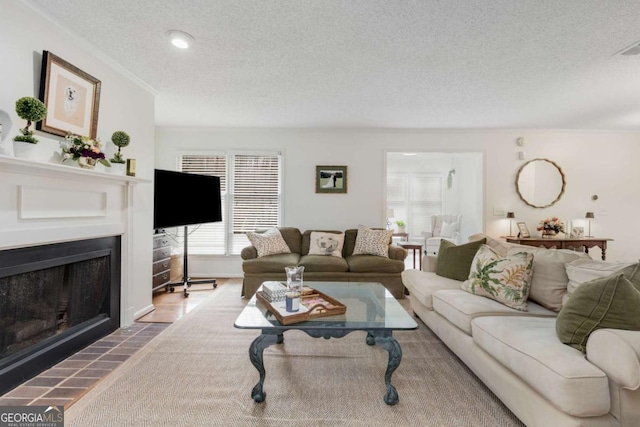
(270, 242)
(306, 239)
(374, 264)
(448, 230)
(423, 284)
(609, 302)
(454, 262)
(270, 263)
(549, 283)
(326, 244)
(500, 247)
(529, 348)
(323, 263)
(372, 242)
(585, 270)
(460, 308)
(506, 280)
(293, 237)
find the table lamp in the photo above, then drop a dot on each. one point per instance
(589, 216)
(390, 215)
(510, 216)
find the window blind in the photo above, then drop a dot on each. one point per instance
(208, 238)
(251, 199)
(414, 198)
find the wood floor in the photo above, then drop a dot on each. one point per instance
(170, 306)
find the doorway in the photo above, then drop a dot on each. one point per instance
(422, 184)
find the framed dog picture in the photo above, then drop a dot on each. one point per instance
(523, 230)
(331, 179)
(577, 232)
(72, 98)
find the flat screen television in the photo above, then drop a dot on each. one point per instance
(185, 199)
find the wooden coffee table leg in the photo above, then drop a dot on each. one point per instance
(256, 351)
(385, 340)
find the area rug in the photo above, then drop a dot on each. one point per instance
(198, 373)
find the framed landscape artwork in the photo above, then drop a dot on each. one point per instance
(331, 179)
(523, 229)
(72, 98)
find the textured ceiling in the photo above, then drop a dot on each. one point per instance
(544, 64)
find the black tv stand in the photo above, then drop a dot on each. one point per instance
(186, 280)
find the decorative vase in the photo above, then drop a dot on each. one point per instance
(117, 168)
(87, 162)
(25, 150)
(401, 228)
(548, 234)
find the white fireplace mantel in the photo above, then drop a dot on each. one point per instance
(53, 170)
(43, 203)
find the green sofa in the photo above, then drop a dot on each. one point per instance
(322, 268)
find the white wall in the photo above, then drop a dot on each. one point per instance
(602, 163)
(124, 105)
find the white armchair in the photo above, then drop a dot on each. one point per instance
(444, 226)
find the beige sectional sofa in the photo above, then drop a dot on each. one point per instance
(519, 356)
(348, 268)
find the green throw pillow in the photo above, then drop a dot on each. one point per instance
(609, 302)
(454, 262)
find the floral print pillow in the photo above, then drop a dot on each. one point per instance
(506, 280)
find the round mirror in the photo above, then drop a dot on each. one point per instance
(540, 183)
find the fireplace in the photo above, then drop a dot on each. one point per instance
(55, 300)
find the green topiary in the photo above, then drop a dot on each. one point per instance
(120, 139)
(31, 110)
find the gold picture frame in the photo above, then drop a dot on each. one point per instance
(331, 179)
(72, 98)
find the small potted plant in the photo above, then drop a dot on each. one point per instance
(32, 110)
(120, 139)
(401, 224)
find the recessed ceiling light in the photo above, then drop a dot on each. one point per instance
(180, 39)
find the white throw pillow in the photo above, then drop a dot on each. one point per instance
(372, 242)
(326, 243)
(270, 242)
(585, 270)
(448, 230)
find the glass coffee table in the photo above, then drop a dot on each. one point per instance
(370, 308)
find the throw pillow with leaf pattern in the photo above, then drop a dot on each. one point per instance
(506, 280)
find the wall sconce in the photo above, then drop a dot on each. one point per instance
(510, 216)
(390, 214)
(589, 216)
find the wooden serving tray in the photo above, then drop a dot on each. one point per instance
(316, 310)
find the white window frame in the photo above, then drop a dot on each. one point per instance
(229, 196)
(406, 204)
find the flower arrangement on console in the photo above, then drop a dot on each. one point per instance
(551, 226)
(86, 151)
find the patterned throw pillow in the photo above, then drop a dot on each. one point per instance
(372, 242)
(270, 242)
(326, 243)
(506, 280)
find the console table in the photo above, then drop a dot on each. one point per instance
(586, 243)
